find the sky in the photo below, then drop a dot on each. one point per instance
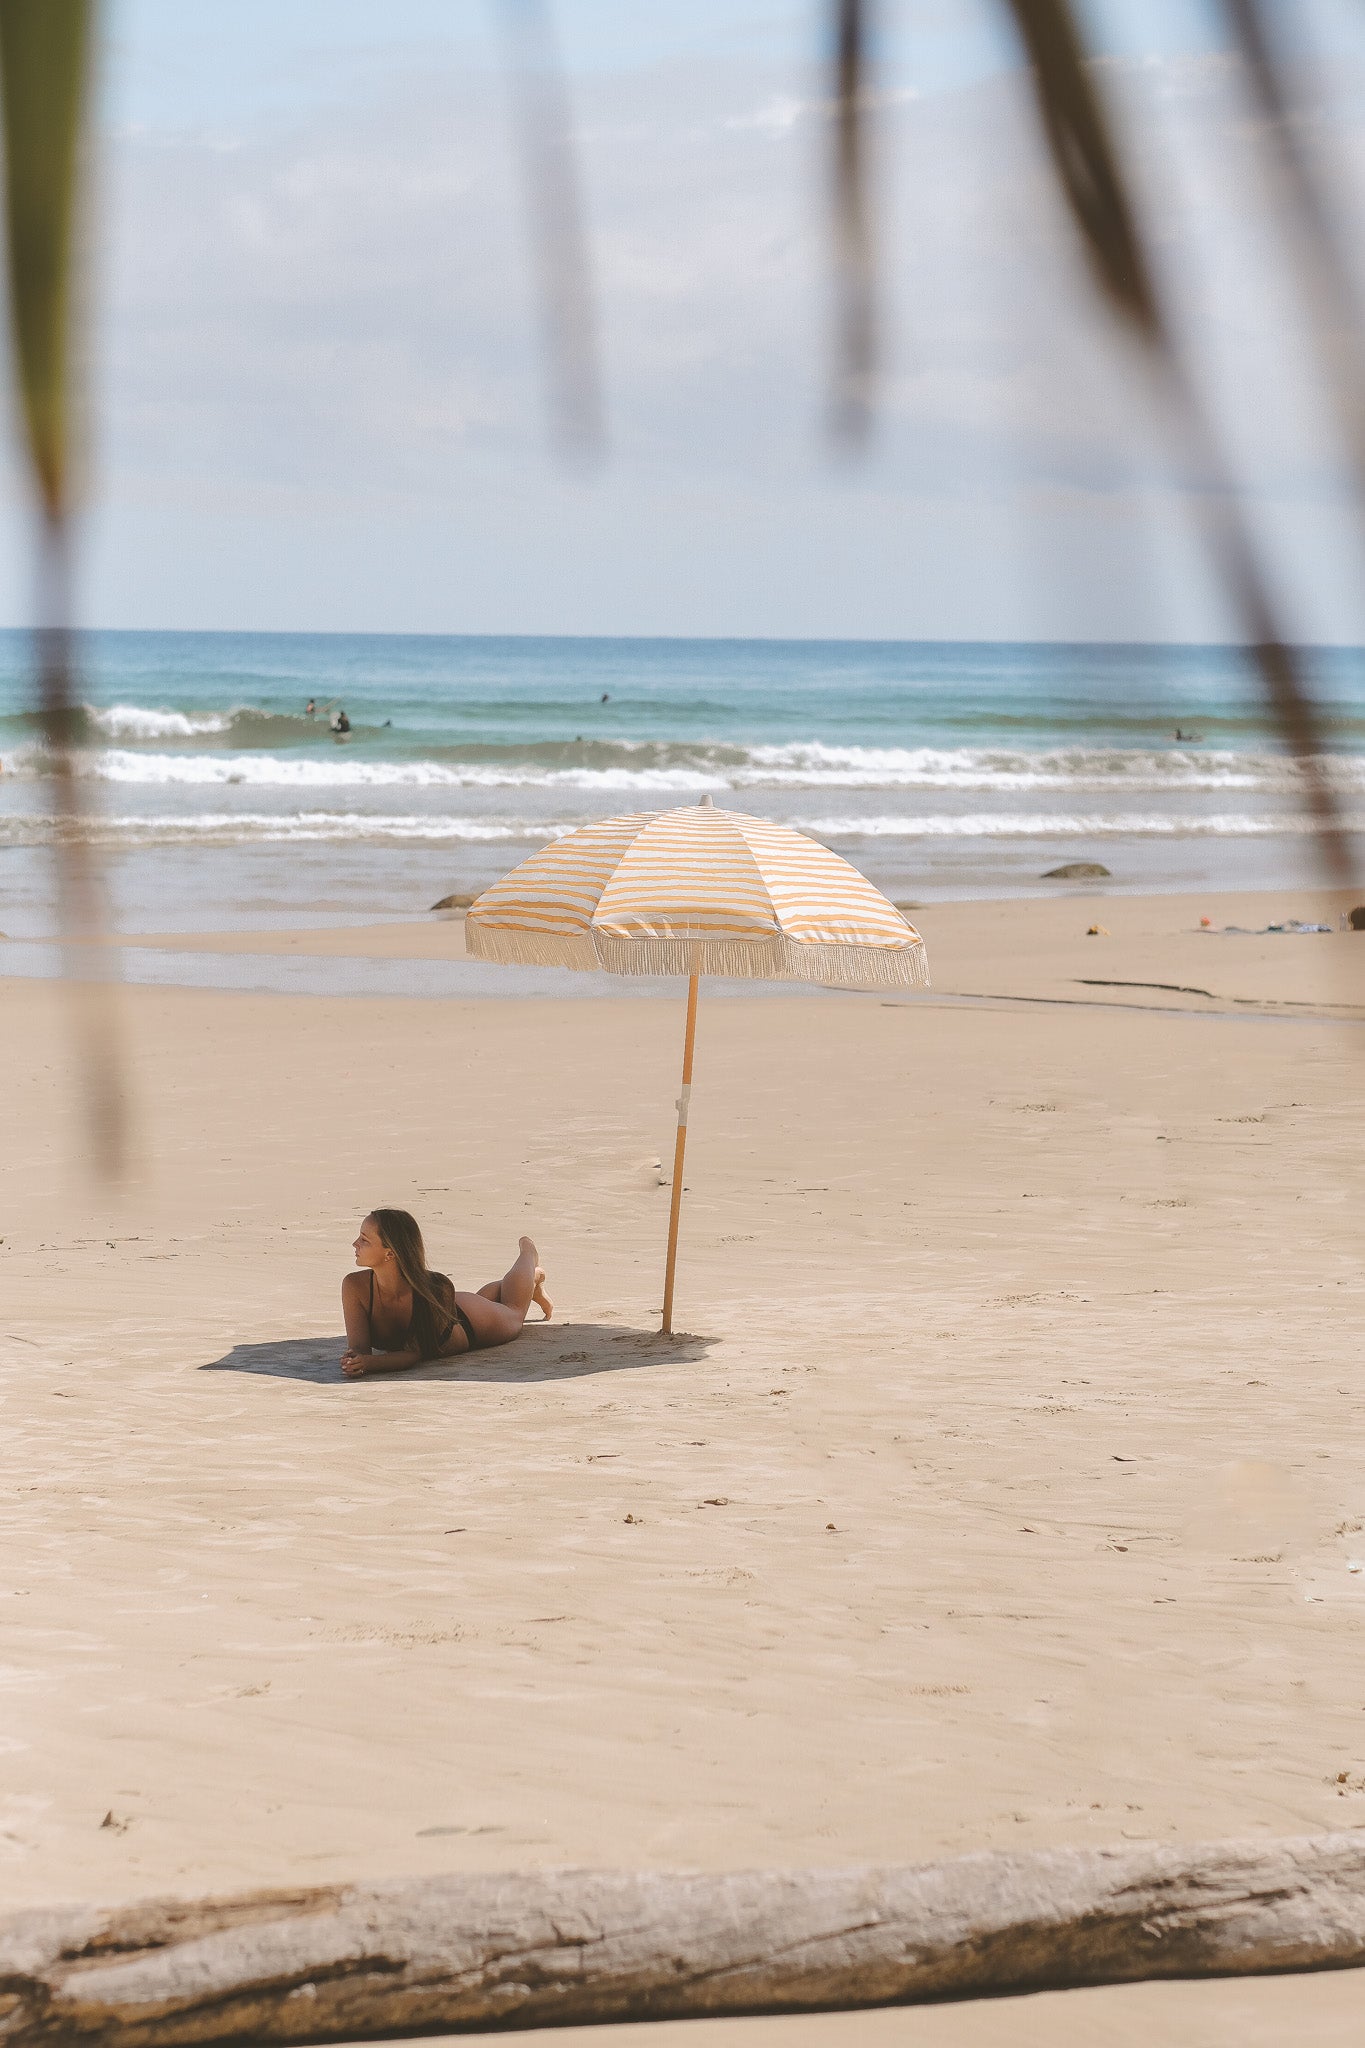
(316, 391)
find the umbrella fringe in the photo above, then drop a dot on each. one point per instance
(770, 958)
(528, 948)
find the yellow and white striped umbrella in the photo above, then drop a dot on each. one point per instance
(696, 891)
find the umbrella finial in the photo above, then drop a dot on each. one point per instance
(705, 803)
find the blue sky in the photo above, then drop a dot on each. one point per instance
(317, 395)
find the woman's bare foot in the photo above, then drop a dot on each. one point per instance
(540, 1297)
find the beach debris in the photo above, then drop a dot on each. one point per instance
(1293, 926)
(116, 1822)
(1356, 918)
(635, 1519)
(1097, 931)
(716, 1500)
(1078, 871)
(469, 1950)
(455, 902)
(1206, 924)
(1174, 988)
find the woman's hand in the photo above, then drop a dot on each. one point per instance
(356, 1364)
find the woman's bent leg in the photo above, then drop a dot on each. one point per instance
(498, 1310)
(492, 1291)
(518, 1283)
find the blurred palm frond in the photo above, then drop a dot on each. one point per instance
(559, 240)
(1317, 243)
(1089, 172)
(45, 50)
(1085, 159)
(855, 256)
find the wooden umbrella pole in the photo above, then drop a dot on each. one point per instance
(679, 1147)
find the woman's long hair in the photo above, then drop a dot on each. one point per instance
(431, 1309)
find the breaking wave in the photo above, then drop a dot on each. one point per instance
(650, 768)
(240, 828)
(1053, 825)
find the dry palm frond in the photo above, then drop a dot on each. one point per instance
(855, 340)
(44, 65)
(1086, 160)
(559, 242)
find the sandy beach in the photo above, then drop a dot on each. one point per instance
(1006, 1488)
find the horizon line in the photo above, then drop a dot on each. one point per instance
(1245, 647)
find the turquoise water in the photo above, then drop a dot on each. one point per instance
(942, 770)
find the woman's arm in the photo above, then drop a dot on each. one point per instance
(356, 1314)
(359, 1358)
(358, 1365)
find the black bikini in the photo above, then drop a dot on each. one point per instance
(457, 1315)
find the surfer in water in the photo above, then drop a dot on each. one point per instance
(399, 1313)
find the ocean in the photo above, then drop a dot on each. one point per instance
(943, 771)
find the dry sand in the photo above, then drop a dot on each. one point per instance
(1050, 1308)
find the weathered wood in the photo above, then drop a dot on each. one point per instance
(559, 1947)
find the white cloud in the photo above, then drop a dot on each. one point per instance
(319, 391)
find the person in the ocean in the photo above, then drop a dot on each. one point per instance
(341, 724)
(399, 1313)
(310, 707)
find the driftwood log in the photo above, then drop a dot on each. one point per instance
(558, 1947)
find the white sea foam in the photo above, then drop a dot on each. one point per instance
(795, 766)
(229, 828)
(240, 828)
(1062, 825)
(137, 722)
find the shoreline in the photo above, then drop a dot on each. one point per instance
(1149, 952)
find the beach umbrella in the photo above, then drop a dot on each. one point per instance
(696, 891)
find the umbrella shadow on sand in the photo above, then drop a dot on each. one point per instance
(559, 1351)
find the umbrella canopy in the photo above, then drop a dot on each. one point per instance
(696, 891)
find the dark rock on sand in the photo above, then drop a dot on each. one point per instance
(1078, 871)
(456, 902)
(1358, 918)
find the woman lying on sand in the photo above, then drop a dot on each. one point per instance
(397, 1308)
